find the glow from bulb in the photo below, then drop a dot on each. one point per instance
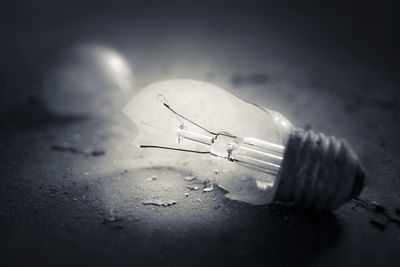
(116, 64)
(119, 70)
(197, 117)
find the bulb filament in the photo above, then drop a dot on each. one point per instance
(249, 152)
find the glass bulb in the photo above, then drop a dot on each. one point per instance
(88, 80)
(197, 119)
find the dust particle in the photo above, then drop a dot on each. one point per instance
(151, 178)
(194, 188)
(208, 188)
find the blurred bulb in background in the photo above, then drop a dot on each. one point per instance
(88, 80)
(260, 155)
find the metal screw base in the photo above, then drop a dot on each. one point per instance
(318, 172)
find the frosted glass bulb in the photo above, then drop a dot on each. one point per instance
(88, 80)
(269, 159)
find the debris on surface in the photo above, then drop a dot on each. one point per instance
(186, 194)
(65, 147)
(216, 171)
(199, 200)
(378, 223)
(151, 178)
(189, 178)
(95, 152)
(252, 79)
(192, 187)
(159, 202)
(379, 209)
(208, 188)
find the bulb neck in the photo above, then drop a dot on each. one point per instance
(318, 172)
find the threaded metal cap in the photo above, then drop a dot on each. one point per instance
(318, 172)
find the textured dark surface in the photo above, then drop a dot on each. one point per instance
(333, 68)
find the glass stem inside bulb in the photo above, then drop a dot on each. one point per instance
(254, 153)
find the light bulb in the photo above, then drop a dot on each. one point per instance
(88, 80)
(268, 159)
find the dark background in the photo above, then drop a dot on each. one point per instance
(330, 66)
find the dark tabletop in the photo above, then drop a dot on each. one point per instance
(331, 68)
